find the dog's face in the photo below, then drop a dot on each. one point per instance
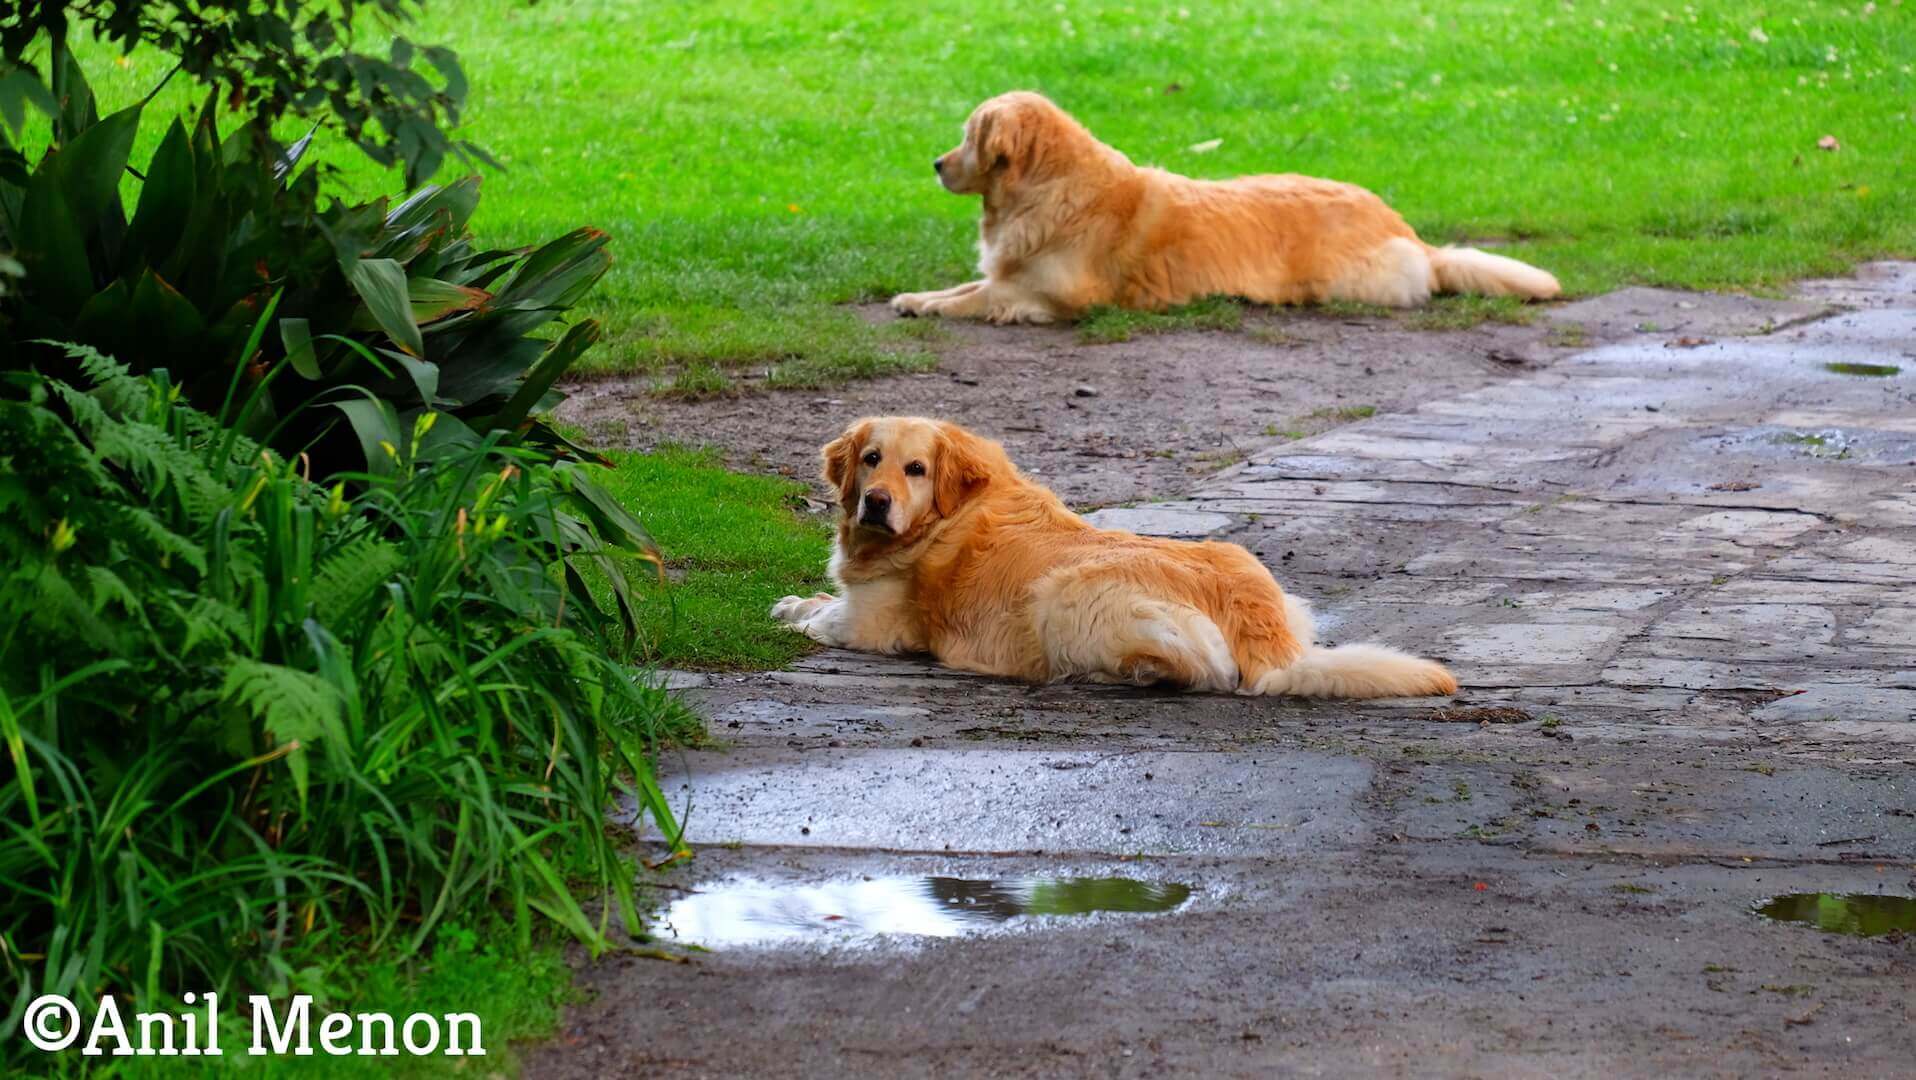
(897, 474)
(1006, 140)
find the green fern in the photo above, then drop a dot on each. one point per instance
(281, 700)
(291, 705)
(352, 575)
(212, 623)
(139, 524)
(99, 368)
(107, 588)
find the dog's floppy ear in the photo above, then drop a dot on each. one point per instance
(965, 465)
(1004, 141)
(841, 462)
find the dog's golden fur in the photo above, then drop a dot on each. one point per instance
(1069, 223)
(944, 547)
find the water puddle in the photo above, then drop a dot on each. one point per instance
(1855, 914)
(1828, 444)
(747, 911)
(1868, 371)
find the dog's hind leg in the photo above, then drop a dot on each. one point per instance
(1097, 629)
(1397, 273)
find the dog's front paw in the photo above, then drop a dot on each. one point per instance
(908, 304)
(796, 609)
(790, 609)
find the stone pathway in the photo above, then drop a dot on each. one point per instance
(1677, 578)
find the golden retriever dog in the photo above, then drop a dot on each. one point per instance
(944, 547)
(1069, 224)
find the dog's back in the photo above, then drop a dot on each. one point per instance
(1026, 587)
(1274, 239)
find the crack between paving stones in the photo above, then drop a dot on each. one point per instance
(1371, 480)
(1827, 519)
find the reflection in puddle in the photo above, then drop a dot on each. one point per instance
(744, 911)
(1829, 443)
(1856, 914)
(1874, 371)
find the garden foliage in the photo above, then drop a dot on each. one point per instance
(245, 713)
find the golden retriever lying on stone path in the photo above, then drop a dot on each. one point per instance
(946, 548)
(1070, 223)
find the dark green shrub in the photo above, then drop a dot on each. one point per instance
(392, 300)
(245, 714)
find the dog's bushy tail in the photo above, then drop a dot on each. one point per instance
(1357, 671)
(1460, 269)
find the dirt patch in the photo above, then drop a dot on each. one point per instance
(1100, 424)
(1482, 714)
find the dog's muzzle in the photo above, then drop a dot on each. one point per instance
(877, 507)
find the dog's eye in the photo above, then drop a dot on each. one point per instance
(871, 458)
(916, 468)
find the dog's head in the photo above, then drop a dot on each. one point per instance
(1012, 139)
(897, 475)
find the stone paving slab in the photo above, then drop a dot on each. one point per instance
(1053, 800)
(1677, 312)
(1678, 585)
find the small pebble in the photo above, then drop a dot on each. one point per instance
(1086, 391)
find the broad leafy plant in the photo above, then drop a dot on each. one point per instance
(244, 713)
(389, 302)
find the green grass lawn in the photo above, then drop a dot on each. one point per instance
(760, 164)
(733, 544)
(516, 990)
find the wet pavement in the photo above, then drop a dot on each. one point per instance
(1676, 575)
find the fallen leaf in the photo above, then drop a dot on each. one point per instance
(1735, 485)
(1828, 142)
(1686, 342)
(1807, 1017)
(1481, 886)
(1205, 147)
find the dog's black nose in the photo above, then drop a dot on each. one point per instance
(877, 502)
(938, 165)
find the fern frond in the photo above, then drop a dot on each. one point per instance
(56, 609)
(290, 704)
(108, 588)
(95, 365)
(88, 414)
(212, 622)
(160, 463)
(352, 576)
(135, 522)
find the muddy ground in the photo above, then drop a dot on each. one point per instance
(1104, 424)
(1099, 423)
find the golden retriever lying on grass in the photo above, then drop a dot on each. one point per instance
(1071, 224)
(946, 548)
